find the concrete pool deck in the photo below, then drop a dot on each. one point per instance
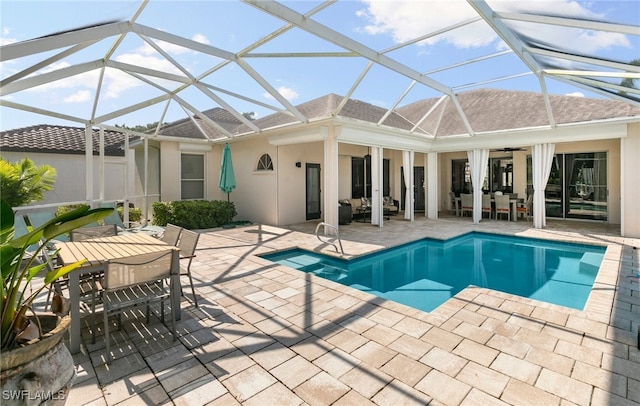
(265, 334)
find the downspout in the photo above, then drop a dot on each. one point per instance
(277, 185)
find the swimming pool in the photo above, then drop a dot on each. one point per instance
(426, 273)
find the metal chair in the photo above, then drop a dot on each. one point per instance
(89, 233)
(136, 281)
(171, 234)
(454, 204)
(187, 244)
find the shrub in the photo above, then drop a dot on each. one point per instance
(135, 214)
(194, 214)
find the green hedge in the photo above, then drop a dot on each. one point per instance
(194, 214)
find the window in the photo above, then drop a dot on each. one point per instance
(577, 186)
(192, 176)
(361, 169)
(265, 163)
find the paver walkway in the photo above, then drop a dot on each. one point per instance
(268, 335)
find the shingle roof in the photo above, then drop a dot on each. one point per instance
(56, 139)
(486, 109)
(495, 110)
(186, 128)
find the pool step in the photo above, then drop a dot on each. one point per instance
(590, 262)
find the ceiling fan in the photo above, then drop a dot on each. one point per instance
(508, 149)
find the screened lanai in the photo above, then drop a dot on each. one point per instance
(159, 62)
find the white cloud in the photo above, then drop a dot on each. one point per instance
(405, 20)
(201, 38)
(78, 97)
(286, 92)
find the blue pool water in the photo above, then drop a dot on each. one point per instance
(426, 273)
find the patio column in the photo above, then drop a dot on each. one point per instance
(377, 217)
(432, 185)
(407, 164)
(330, 178)
(542, 158)
(88, 162)
(478, 159)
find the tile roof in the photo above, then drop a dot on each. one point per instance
(55, 139)
(186, 128)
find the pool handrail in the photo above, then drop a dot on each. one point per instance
(328, 241)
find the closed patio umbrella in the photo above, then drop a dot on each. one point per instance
(227, 177)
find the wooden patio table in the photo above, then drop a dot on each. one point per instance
(97, 252)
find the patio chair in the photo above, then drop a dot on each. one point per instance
(114, 218)
(171, 234)
(454, 204)
(187, 244)
(89, 233)
(486, 205)
(503, 206)
(525, 208)
(467, 203)
(37, 219)
(135, 281)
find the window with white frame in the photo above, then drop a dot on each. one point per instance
(265, 163)
(192, 176)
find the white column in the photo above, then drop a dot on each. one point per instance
(629, 186)
(407, 164)
(376, 186)
(431, 176)
(330, 178)
(88, 154)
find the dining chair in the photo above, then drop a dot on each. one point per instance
(89, 233)
(37, 219)
(171, 234)
(454, 204)
(467, 203)
(187, 244)
(114, 218)
(525, 208)
(503, 206)
(486, 205)
(138, 280)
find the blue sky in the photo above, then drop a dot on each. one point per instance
(232, 26)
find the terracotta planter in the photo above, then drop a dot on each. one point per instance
(42, 371)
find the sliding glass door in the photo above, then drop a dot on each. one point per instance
(577, 186)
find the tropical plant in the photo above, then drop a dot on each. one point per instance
(630, 82)
(24, 182)
(19, 267)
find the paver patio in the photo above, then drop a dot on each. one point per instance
(265, 334)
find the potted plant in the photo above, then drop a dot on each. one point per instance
(35, 366)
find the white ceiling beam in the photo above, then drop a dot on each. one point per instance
(50, 77)
(612, 86)
(395, 104)
(345, 42)
(271, 90)
(198, 113)
(469, 61)
(43, 64)
(183, 42)
(504, 32)
(65, 39)
(125, 67)
(134, 107)
(32, 109)
(591, 73)
(572, 81)
(428, 113)
(583, 59)
(432, 34)
(355, 84)
(300, 55)
(571, 22)
(227, 107)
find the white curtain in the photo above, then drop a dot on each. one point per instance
(407, 164)
(542, 157)
(478, 160)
